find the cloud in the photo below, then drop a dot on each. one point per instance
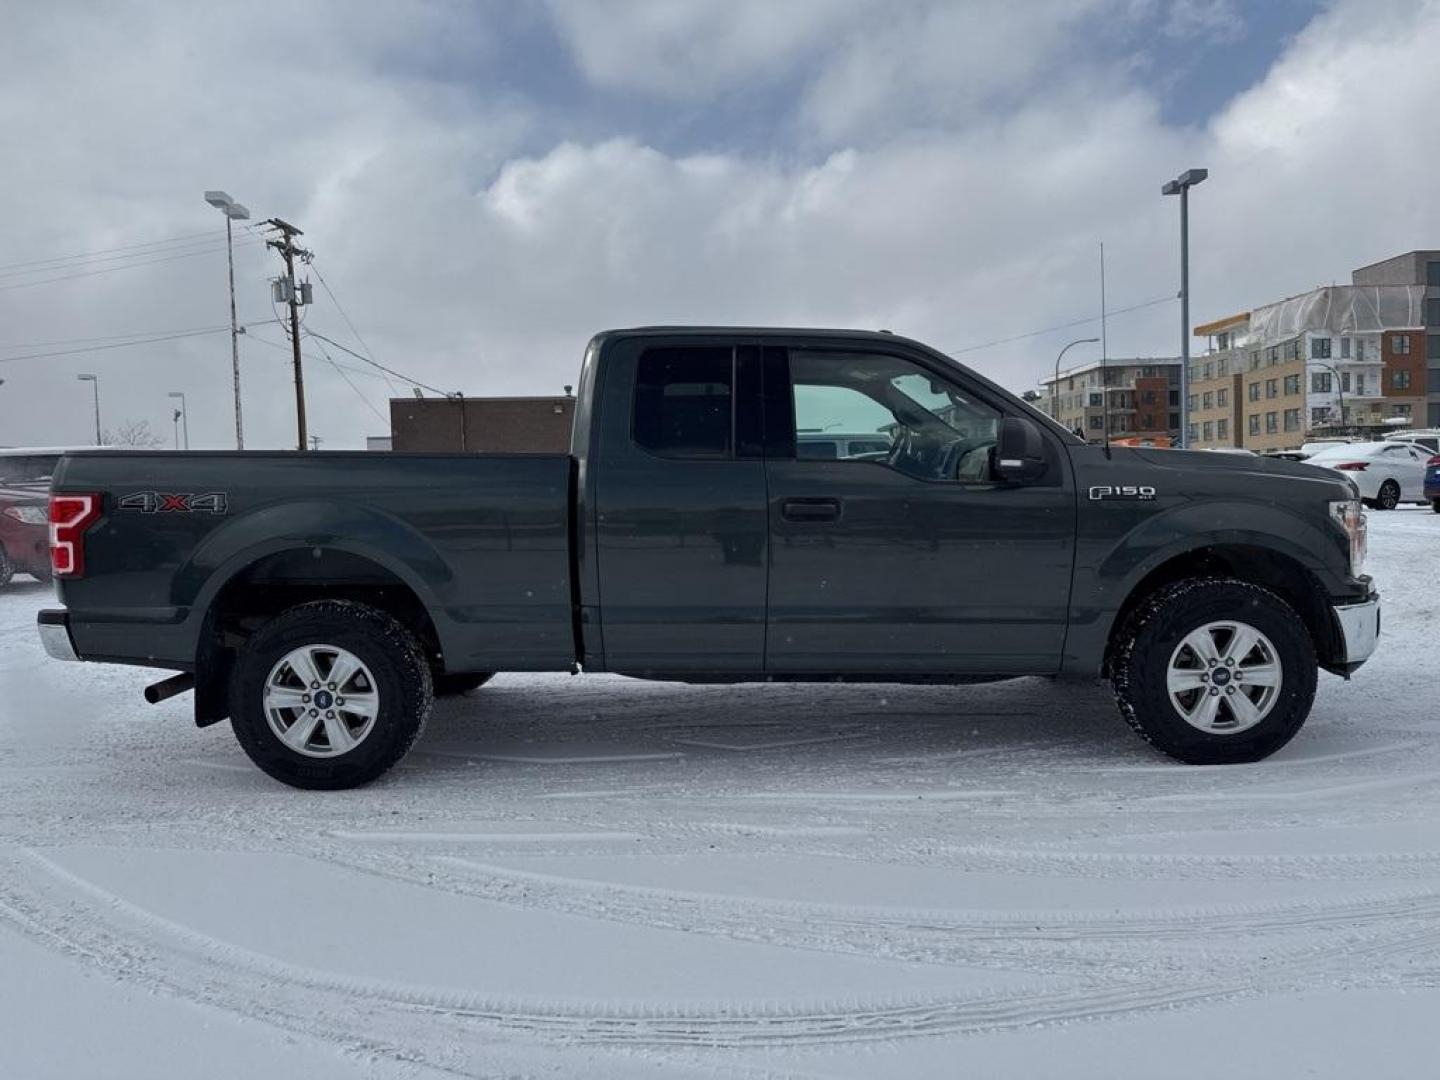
(477, 242)
(1213, 20)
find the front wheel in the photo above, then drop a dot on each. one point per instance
(329, 695)
(1388, 497)
(1214, 671)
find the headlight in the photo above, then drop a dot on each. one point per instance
(30, 515)
(1350, 516)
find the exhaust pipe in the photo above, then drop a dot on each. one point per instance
(168, 688)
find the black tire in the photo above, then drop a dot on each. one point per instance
(1388, 497)
(1154, 631)
(1435, 505)
(460, 682)
(401, 679)
(7, 568)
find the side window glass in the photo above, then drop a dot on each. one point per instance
(683, 402)
(871, 407)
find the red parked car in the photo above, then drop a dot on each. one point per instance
(24, 499)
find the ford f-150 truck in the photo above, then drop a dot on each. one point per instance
(319, 600)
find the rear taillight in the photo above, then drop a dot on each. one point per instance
(1433, 461)
(1353, 466)
(70, 516)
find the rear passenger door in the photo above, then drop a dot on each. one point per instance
(680, 514)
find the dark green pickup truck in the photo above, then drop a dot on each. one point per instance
(318, 600)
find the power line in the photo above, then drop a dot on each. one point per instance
(1061, 326)
(171, 249)
(106, 251)
(117, 345)
(368, 404)
(125, 266)
(377, 364)
(335, 300)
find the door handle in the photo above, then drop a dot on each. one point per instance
(810, 510)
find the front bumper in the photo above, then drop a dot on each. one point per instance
(1359, 626)
(53, 626)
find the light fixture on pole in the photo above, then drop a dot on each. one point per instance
(233, 211)
(184, 414)
(94, 381)
(1055, 407)
(1181, 186)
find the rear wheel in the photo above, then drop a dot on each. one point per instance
(1435, 505)
(329, 695)
(1213, 671)
(460, 682)
(1388, 498)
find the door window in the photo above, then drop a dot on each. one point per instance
(683, 402)
(903, 415)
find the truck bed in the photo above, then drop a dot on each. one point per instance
(482, 541)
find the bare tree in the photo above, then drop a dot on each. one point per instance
(135, 433)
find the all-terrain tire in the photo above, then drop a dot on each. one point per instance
(1388, 497)
(1147, 643)
(461, 682)
(401, 682)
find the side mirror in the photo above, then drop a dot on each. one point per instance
(1020, 451)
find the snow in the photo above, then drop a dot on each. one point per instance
(603, 878)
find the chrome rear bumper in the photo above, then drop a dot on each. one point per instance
(51, 624)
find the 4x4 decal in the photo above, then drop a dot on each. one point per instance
(160, 502)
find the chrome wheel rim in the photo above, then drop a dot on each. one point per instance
(321, 700)
(1224, 677)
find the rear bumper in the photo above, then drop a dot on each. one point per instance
(53, 626)
(1359, 626)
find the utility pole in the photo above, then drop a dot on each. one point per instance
(291, 293)
(1181, 186)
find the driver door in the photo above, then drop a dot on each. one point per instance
(912, 560)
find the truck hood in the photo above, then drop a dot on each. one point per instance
(1209, 464)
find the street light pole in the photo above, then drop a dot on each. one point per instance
(233, 211)
(1055, 406)
(1181, 186)
(94, 382)
(184, 416)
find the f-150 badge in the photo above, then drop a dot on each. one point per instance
(1122, 491)
(160, 502)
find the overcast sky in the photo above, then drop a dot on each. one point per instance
(485, 185)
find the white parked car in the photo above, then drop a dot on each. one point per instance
(1425, 438)
(1387, 473)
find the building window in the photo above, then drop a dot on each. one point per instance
(1222, 398)
(1318, 416)
(1432, 273)
(1222, 429)
(1097, 401)
(1207, 431)
(1207, 400)
(1097, 423)
(1400, 380)
(1272, 388)
(1345, 382)
(1344, 348)
(1292, 419)
(1359, 383)
(1292, 385)
(1272, 355)
(1432, 381)
(1402, 344)
(1255, 424)
(1254, 359)
(1147, 421)
(1292, 349)
(1320, 348)
(1209, 371)
(1254, 391)
(1147, 372)
(1148, 397)
(1432, 311)
(1320, 382)
(1190, 433)
(1272, 423)
(1403, 410)
(1222, 339)
(1432, 347)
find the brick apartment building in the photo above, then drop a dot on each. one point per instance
(1356, 359)
(1139, 396)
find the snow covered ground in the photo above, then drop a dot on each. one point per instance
(600, 878)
